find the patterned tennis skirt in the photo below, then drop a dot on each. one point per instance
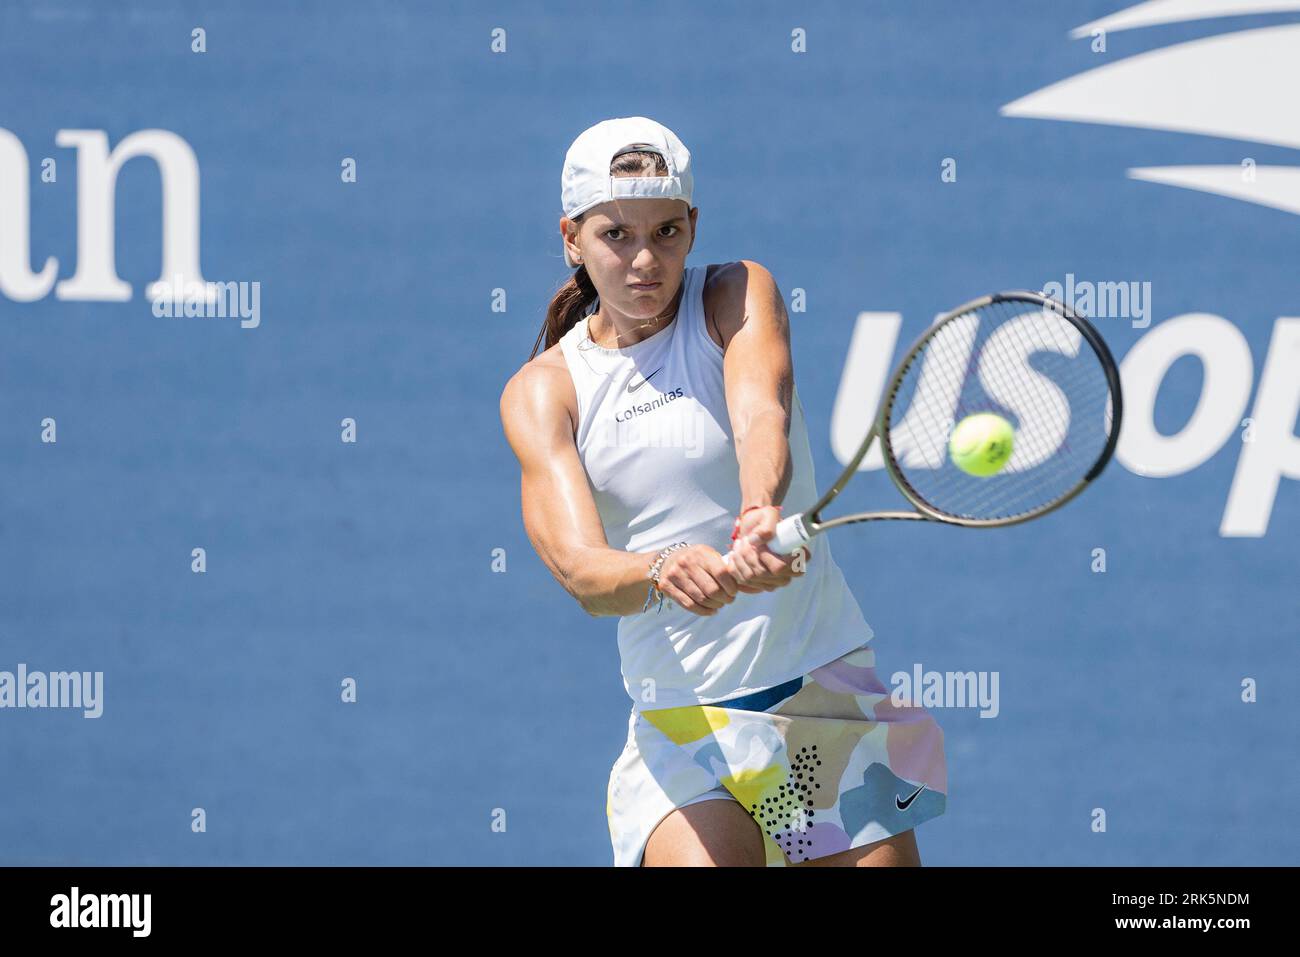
(823, 763)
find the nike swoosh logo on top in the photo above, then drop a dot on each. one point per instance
(902, 805)
(633, 388)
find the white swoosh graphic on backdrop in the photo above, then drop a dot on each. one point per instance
(1274, 186)
(1239, 86)
(1176, 11)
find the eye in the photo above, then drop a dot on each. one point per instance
(609, 233)
(674, 230)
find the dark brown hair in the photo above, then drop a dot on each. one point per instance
(573, 298)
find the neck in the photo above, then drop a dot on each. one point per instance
(613, 330)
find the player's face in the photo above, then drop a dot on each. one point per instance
(635, 251)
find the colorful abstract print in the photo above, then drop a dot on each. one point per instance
(823, 763)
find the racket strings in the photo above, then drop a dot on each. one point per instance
(1043, 439)
(1049, 444)
(1043, 412)
(1025, 362)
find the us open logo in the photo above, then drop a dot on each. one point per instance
(1239, 86)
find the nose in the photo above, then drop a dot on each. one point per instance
(643, 259)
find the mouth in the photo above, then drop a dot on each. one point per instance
(645, 286)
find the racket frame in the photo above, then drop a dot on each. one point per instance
(800, 529)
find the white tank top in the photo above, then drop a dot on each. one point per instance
(656, 441)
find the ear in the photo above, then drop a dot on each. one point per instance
(568, 232)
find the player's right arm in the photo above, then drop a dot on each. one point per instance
(564, 526)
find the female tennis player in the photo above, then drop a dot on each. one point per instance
(658, 431)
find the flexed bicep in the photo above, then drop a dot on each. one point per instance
(559, 513)
(758, 372)
(758, 378)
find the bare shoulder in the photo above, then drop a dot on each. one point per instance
(727, 288)
(539, 398)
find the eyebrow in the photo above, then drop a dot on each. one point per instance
(675, 219)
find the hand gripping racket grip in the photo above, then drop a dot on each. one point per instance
(790, 534)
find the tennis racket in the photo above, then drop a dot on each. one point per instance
(1020, 355)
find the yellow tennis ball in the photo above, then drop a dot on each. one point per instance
(981, 444)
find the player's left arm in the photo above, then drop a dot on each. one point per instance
(758, 374)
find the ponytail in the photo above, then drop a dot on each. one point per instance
(566, 308)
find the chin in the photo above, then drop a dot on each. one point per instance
(650, 303)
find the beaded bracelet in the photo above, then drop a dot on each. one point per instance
(653, 575)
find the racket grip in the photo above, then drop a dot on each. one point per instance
(790, 534)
